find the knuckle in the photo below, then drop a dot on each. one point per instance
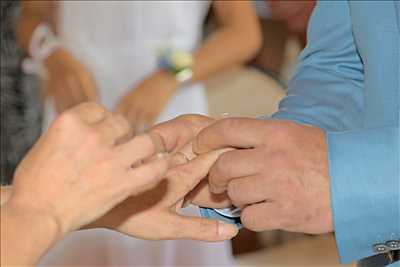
(68, 120)
(249, 220)
(234, 191)
(89, 106)
(122, 123)
(219, 168)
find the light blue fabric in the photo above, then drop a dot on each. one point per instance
(347, 83)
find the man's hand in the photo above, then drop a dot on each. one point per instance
(82, 167)
(68, 81)
(154, 214)
(278, 174)
(175, 136)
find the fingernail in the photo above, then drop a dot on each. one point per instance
(226, 229)
(162, 155)
(223, 115)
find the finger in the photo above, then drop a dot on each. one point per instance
(177, 132)
(203, 197)
(201, 229)
(133, 116)
(178, 158)
(249, 190)
(89, 86)
(141, 122)
(89, 112)
(139, 148)
(184, 155)
(231, 132)
(113, 128)
(233, 164)
(75, 90)
(146, 176)
(186, 177)
(261, 217)
(60, 95)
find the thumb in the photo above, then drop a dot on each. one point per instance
(202, 229)
(187, 176)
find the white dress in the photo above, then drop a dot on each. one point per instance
(118, 42)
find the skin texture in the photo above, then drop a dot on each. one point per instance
(88, 153)
(177, 135)
(153, 215)
(278, 174)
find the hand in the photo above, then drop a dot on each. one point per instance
(176, 135)
(279, 174)
(142, 105)
(81, 168)
(68, 81)
(154, 214)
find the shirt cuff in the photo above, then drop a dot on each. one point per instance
(364, 171)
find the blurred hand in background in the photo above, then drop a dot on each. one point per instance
(68, 82)
(142, 105)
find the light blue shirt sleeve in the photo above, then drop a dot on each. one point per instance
(328, 91)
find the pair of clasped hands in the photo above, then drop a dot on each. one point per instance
(88, 171)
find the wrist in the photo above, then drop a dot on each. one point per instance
(169, 79)
(25, 235)
(40, 221)
(178, 63)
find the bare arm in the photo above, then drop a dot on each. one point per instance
(25, 235)
(235, 41)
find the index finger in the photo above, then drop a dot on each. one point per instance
(231, 132)
(89, 112)
(175, 133)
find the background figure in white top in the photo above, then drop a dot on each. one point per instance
(109, 54)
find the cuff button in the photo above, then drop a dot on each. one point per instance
(393, 244)
(380, 248)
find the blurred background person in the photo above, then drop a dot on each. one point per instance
(110, 52)
(19, 97)
(284, 29)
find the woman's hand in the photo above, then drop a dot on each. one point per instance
(82, 167)
(154, 214)
(142, 105)
(68, 81)
(175, 136)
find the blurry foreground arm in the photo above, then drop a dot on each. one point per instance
(86, 154)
